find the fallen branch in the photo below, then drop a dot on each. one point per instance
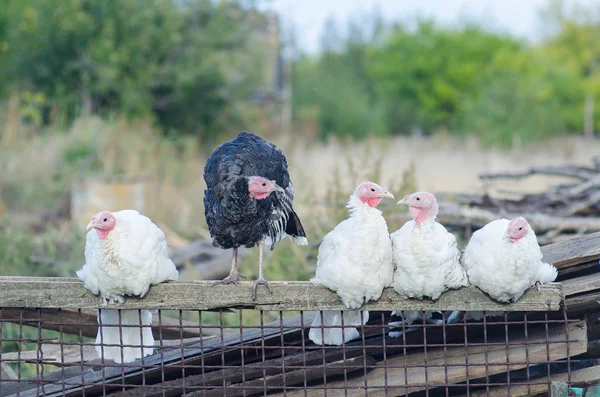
(582, 173)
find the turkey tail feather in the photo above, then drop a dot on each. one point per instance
(127, 338)
(336, 336)
(295, 230)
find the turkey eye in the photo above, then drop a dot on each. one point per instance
(372, 189)
(521, 228)
(105, 219)
(418, 198)
(264, 184)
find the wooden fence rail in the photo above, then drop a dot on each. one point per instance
(65, 293)
(570, 257)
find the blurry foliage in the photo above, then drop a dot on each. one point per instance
(425, 77)
(176, 61)
(192, 67)
(56, 253)
(430, 70)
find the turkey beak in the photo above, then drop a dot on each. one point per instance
(91, 225)
(506, 235)
(387, 194)
(403, 201)
(277, 188)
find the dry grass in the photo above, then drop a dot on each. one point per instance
(40, 168)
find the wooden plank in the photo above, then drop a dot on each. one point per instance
(588, 303)
(573, 251)
(203, 295)
(157, 363)
(585, 375)
(579, 285)
(52, 353)
(270, 369)
(277, 382)
(6, 372)
(451, 363)
(71, 322)
(566, 272)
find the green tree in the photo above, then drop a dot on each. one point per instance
(171, 60)
(338, 83)
(575, 44)
(522, 96)
(425, 74)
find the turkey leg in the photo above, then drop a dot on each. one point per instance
(233, 273)
(260, 280)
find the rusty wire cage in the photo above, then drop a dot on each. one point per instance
(221, 347)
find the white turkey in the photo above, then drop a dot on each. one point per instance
(125, 253)
(504, 259)
(355, 261)
(426, 255)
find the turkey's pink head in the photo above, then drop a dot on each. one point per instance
(371, 193)
(422, 206)
(260, 187)
(104, 222)
(516, 230)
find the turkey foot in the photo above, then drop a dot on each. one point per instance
(233, 273)
(538, 286)
(261, 279)
(257, 282)
(231, 279)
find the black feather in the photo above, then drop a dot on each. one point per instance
(234, 218)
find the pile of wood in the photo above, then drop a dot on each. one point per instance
(375, 358)
(564, 211)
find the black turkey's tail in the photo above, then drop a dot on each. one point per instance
(295, 230)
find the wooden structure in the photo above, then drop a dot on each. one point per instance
(564, 211)
(215, 341)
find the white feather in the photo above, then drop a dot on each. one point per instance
(503, 269)
(133, 257)
(109, 334)
(355, 261)
(335, 336)
(427, 261)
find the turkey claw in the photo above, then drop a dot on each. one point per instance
(257, 283)
(231, 279)
(538, 286)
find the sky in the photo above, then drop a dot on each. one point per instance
(517, 17)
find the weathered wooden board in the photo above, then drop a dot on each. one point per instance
(450, 364)
(585, 375)
(583, 304)
(573, 251)
(84, 322)
(203, 295)
(278, 381)
(581, 284)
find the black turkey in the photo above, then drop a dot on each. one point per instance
(248, 200)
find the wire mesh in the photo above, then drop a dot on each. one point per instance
(244, 352)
